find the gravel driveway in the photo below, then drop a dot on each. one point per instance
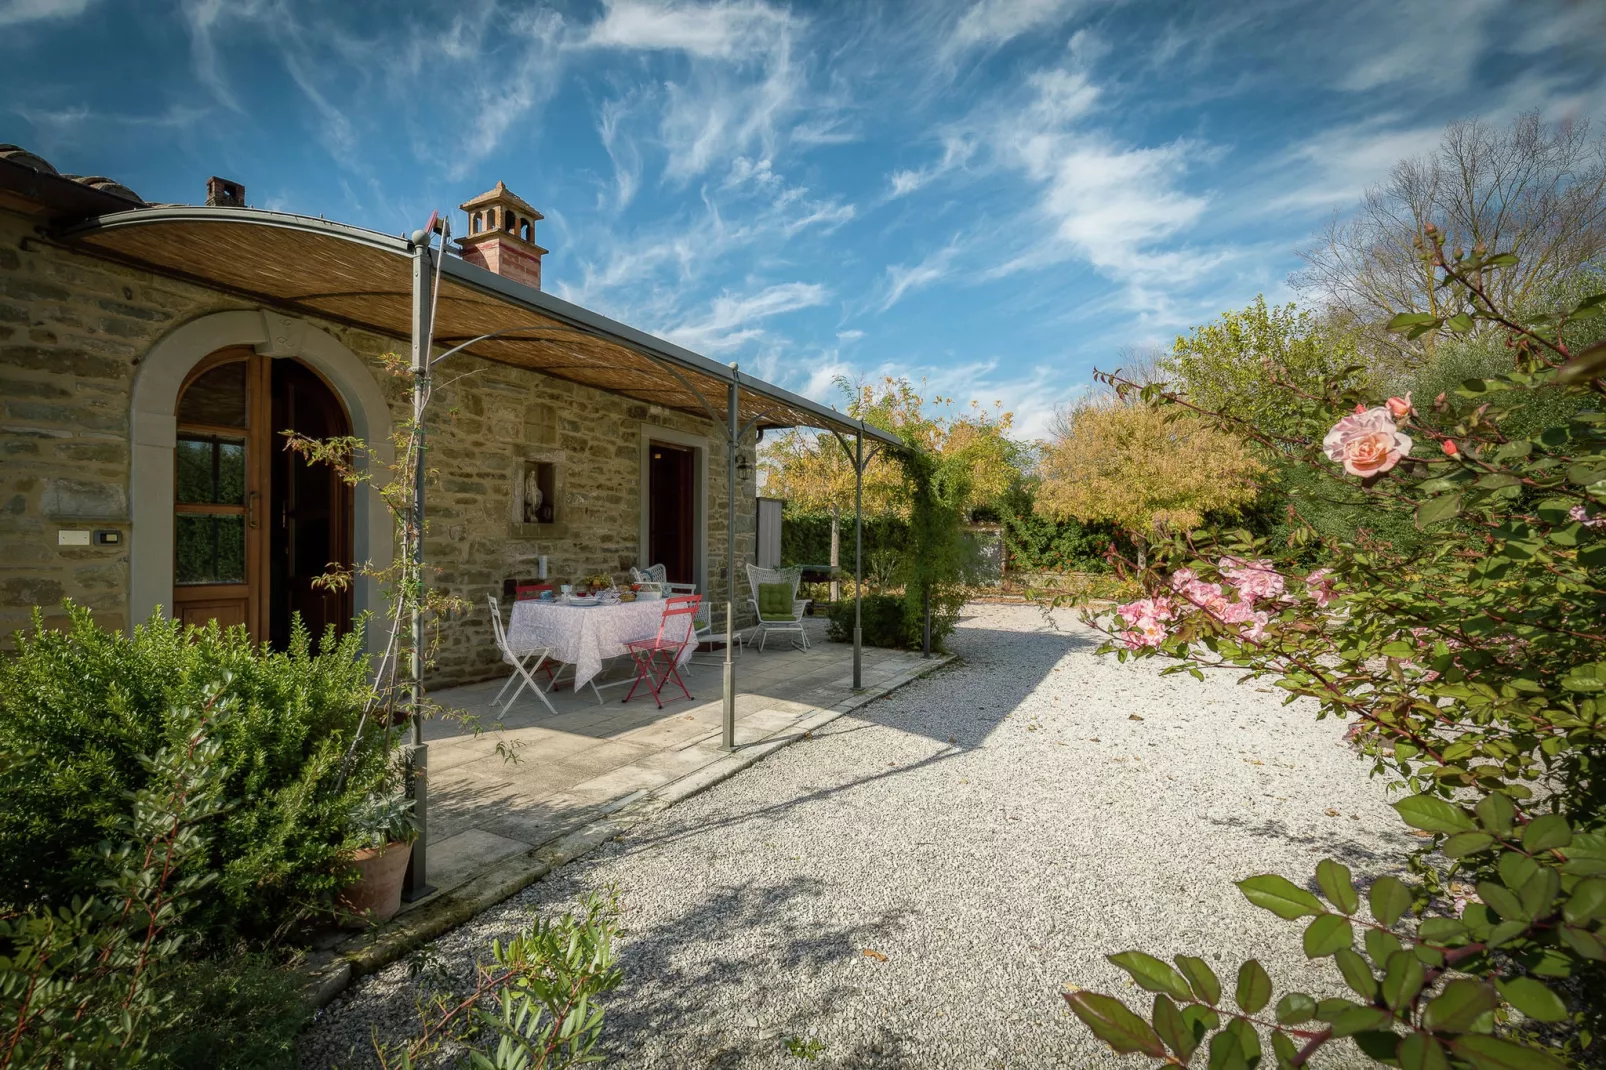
(989, 833)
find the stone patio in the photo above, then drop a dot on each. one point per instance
(592, 759)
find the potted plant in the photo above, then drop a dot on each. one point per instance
(385, 827)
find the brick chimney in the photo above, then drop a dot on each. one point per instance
(221, 193)
(501, 236)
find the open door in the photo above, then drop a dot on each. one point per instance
(254, 524)
(670, 512)
(220, 482)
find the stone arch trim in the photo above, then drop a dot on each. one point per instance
(154, 429)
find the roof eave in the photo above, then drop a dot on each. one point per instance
(476, 277)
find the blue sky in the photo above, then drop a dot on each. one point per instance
(996, 196)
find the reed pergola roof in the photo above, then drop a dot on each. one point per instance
(364, 279)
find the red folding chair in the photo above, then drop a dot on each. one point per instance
(658, 659)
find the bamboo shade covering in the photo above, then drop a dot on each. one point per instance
(364, 279)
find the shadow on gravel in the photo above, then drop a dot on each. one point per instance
(1332, 846)
(740, 931)
(1013, 664)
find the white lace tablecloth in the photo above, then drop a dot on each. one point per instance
(585, 636)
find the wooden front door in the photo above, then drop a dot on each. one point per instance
(670, 507)
(219, 490)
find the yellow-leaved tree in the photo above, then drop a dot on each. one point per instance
(812, 472)
(1148, 470)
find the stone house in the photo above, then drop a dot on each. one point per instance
(151, 354)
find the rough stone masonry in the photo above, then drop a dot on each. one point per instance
(73, 329)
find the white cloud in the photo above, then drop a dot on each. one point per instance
(733, 321)
(902, 279)
(1332, 169)
(993, 22)
(849, 336)
(956, 152)
(622, 150)
(827, 216)
(707, 31)
(16, 12)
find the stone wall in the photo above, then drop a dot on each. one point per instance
(72, 332)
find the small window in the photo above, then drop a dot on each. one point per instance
(475, 223)
(211, 470)
(208, 548)
(507, 221)
(216, 398)
(526, 231)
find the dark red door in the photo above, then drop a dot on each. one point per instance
(670, 506)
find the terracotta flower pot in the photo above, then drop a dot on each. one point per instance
(376, 894)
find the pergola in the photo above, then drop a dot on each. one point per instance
(407, 287)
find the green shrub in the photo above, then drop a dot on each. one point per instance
(78, 708)
(891, 620)
(239, 1012)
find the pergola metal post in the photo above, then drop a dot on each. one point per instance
(416, 884)
(733, 439)
(858, 557)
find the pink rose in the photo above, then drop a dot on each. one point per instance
(1253, 579)
(1181, 578)
(1367, 443)
(1399, 408)
(1205, 595)
(1580, 515)
(1145, 609)
(1450, 448)
(1319, 585)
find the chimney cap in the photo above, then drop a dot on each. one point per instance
(221, 193)
(501, 195)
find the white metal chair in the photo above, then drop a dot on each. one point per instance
(523, 671)
(659, 574)
(777, 614)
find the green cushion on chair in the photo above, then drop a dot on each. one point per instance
(775, 601)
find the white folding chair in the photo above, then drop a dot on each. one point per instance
(777, 619)
(659, 574)
(523, 671)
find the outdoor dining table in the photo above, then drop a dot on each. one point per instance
(585, 636)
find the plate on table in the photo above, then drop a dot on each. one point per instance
(581, 600)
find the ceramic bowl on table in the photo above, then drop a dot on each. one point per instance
(581, 600)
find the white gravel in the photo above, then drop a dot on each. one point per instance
(989, 832)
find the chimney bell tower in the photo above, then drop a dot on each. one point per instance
(501, 236)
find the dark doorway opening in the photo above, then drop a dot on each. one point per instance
(671, 503)
(310, 513)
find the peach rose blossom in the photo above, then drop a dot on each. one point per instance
(1399, 408)
(1367, 443)
(1451, 449)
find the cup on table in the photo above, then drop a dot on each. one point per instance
(567, 589)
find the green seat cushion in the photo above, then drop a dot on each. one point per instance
(775, 601)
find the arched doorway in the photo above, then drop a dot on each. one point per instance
(253, 524)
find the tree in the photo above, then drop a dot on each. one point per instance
(1243, 363)
(1535, 189)
(1148, 471)
(811, 470)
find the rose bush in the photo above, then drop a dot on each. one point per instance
(1473, 667)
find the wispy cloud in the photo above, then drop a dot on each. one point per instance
(904, 279)
(707, 31)
(956, 152)
(988, 23)
(733, 321)
(17, 12)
